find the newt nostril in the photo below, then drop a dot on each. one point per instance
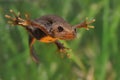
(75, 29)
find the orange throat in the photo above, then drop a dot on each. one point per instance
(48, 39)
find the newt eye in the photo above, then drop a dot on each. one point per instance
(60, 29)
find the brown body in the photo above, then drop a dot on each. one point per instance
(56, 28)
(49, 28)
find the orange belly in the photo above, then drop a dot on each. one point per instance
(48, 39)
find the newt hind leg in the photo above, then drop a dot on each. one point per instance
(32, 51)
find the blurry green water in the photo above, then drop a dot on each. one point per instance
(95, 53)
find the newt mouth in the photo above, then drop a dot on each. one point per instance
(68, 36)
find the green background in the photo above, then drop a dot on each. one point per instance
(95, 54)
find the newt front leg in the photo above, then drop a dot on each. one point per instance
(17, 20)
(85, 24)
(61, 47)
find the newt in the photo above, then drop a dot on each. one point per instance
(47, 29)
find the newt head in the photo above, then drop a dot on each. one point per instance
(62, 30)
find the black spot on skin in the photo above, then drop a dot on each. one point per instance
(37, 33)
(48, 23)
